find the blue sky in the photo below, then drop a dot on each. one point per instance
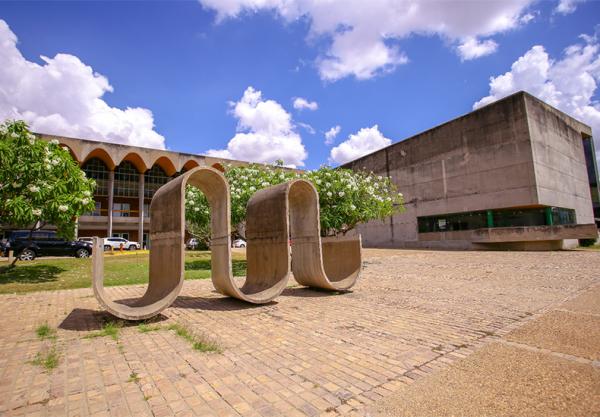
(186, 62)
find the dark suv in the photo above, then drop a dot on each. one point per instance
(44, 243)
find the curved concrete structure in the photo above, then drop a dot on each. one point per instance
(167, 226)
(274, 215)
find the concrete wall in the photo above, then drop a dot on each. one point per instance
(479, 161)
(516, 152)
(560, 166)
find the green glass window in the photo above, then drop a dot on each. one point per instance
(516, 217)
(154, 178)
(96, 169)
(126, 180)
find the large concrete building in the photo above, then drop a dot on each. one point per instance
(127, 178)
(517, 174)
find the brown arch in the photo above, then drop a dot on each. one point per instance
(103, 156)
(218, 166)
(137, 162)
(167, 165)
(189, 165)
(73, 155)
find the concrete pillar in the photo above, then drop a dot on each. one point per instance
(111, 193)
(490, 218)
(141, 209)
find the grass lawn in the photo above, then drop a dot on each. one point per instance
(66, 273)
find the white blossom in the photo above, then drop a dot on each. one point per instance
(63, 208)
(54, 141)
(36, 212)
(85, 201)
(252, 188)
(196, 208)
(265, 184)
(352, 207)
(87, 193)
(16, 184)
(318, 181)
(55, 162)
(329, 194)
(14, 135)
(34, 188)
(341, 193)
(191, 203)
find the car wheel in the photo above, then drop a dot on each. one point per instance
(27, 255)
(132, 247)
(82, 253)
(106, 247)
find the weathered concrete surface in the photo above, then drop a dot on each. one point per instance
(544, 368)
(516, 152)
(563, 331)
(274, 216)
(501, 380)
(588, 302)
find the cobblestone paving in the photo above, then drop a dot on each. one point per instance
(310, 353)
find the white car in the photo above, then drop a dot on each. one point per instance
(239, 243)
(116, 242)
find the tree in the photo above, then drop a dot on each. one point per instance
(346, 197)
(40, 183)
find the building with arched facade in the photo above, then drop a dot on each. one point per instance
(127, 178)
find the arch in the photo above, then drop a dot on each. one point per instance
(101, 154)
(167, 165)
(218, 166)
(273, 215)
(136, 160)
(189, 165)
(73, 155)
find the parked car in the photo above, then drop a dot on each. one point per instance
(89, 240)
(44, 243)
(116, 242)
(192, 243)
(239, 243)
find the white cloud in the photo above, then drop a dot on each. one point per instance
(472, 48)
(63, 96)
(363, 142)
(265, 133)
(568, 83)
(363, 36)
(331, 134)
(567, 6)
(302, 103)
(307, 127)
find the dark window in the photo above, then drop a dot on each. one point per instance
(519, 217)
(154, 178)
(452, 222)
(96, 169)
(126, 180)
(542, 216)
(563, 216)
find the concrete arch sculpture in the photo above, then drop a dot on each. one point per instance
(273, 216)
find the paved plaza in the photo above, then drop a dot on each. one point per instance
(412, 315)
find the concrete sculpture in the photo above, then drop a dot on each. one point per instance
(275, 215)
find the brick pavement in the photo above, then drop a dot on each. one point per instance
(310, 353)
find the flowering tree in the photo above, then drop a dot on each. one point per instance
(40, 183)
(346, 197)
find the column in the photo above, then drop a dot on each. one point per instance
(111, 193)
(141, 209)
(490, 218)
(549, 219)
